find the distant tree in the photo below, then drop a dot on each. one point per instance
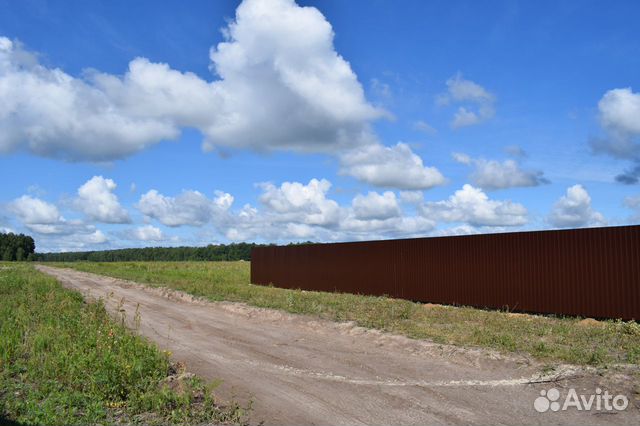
(235, 251)
(8, 255)
(16, 246)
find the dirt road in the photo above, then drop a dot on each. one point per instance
(301, 370)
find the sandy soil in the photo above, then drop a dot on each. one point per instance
(301, 370)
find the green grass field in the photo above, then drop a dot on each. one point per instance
(546, 338)
(63, 361)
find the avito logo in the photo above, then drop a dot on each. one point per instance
(598, 401)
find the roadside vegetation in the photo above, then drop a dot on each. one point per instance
(63, 361)
(547, 338)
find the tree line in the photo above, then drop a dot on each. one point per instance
(16, 247)
(22, 247)
(236, 251)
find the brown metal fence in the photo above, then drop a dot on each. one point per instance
(591, 272)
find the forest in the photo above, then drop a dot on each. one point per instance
(16, 247)
(239, 251)
(19, 247)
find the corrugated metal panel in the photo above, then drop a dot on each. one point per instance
(591, 272)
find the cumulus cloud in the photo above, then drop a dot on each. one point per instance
(573, 210)
(492, 174)
(34, 211)
(472, 206)
(53, 114)
(292, 210)
(412, 197)
(53, 231)
(297, 211)
(307, 204)
(619, 114)
(353, 228)
(79, 237)
(475, 103)
(463, 229)
(97, 200)
(376, 206)
(148, 233)
(189, 208)
(392, 167)
(96, 237)
(277, 60)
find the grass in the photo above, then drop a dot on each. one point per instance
(546, 338)
(63, 361)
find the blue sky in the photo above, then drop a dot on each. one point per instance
(144, 123)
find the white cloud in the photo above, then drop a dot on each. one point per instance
(352, 228)
(412, 197)
(463, 118)
(278, 60)
(291, 211)
(376, 206)
(306, 204)
(424, 127)
(189, 208)
(74, 238)
(478, 102)
(53, 231)
(573, 210)
(148, 233)
(96, 237)
(34, 211)
(97, 200)
(619, 113)
(297, 211)
(463, 229)
(472, 206)
(50, 113)
(492, 174)
(462, 158)
(461, 90)
(392, 167)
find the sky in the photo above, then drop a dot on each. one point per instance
(133, 124)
